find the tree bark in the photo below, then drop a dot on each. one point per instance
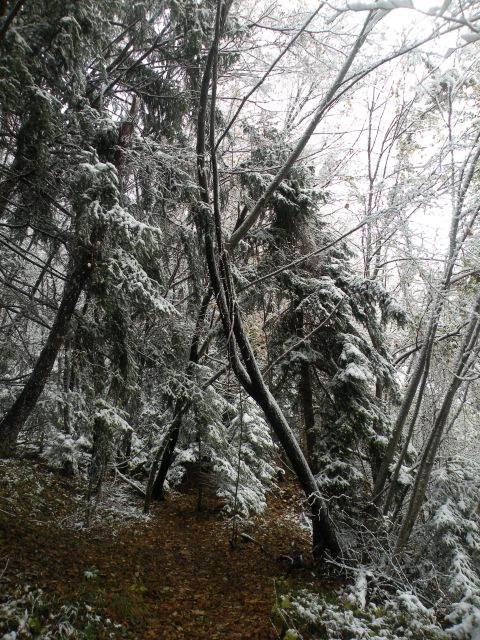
(10, 18)
(168, 449)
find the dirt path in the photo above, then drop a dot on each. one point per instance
(174, 577)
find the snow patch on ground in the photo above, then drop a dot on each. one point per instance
(116, 505)
(298, 520)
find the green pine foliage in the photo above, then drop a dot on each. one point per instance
(446, 549)
(346, 353)
(98, 168)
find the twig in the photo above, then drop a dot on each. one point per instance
(131, 483)
(5, 568)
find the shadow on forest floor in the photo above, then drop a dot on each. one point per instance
(170, 576)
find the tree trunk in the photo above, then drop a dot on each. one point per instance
(305, 392)
(171, 439)
(402, 416)
(324, 537)
(323, 534)
(156, 480)
(10, 18)
(102, 438)
(403, 454)
(329, 98)
(240, 353)
(168, 449)
(465, 356)
(457, 237)
(21, 409)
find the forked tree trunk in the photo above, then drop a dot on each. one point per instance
(240, 352)
(168, 449)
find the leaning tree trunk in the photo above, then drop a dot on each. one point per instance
(21, 409)
(457, 236)
(465, 359)
(323, 534)
(156, 483)
(167, 450)
(324, 537)
(240, 352)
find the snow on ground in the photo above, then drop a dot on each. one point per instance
(116, 504)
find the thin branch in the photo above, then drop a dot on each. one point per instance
(252, 217)
(10, 18)
(303, 340)
(267, 73)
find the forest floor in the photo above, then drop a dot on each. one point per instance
(170, 576)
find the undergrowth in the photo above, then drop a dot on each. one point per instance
(309, 613)
(27, 614)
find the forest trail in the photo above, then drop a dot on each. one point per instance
(171, 577)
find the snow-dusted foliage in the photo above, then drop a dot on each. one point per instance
(64, 452)
(118, 191)
(324, 328)
(113, 417)
(247, 474)
(229, 447)
(446, 549)
(28, 614)
(126, 279)
(346, 367)
(334, 617)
